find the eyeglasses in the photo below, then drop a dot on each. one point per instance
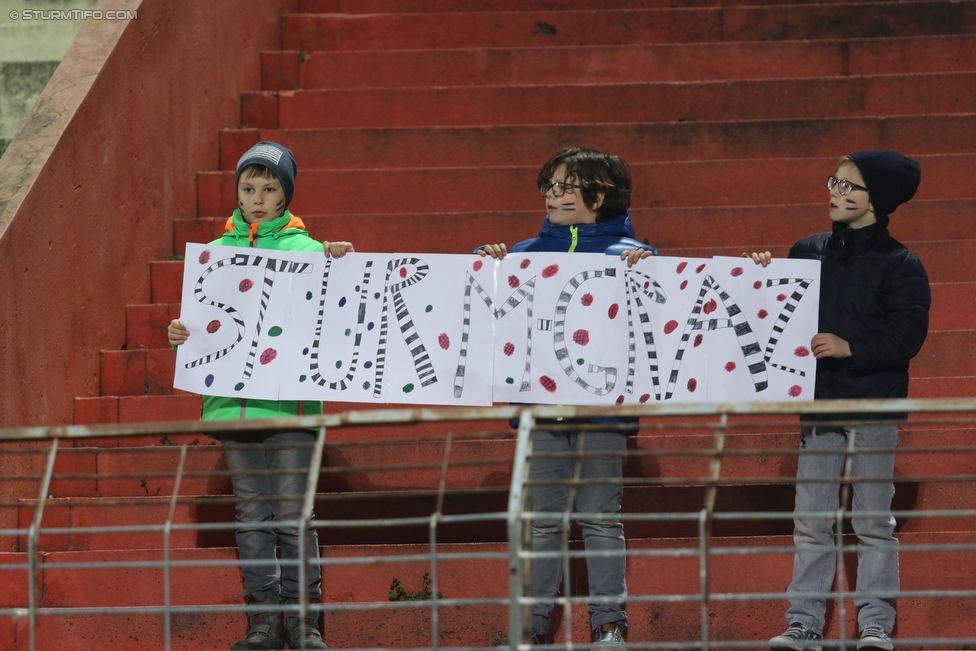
(843, 186)
(558, 188)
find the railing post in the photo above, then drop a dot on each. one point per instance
(519, 616)
(167, 531)
(705, 524)
(33, 540)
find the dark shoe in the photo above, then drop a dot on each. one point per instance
(874, 638)
(609, 637)
(264, 631)
(797, 638)
(303, 630)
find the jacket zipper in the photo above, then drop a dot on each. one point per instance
(574, 231)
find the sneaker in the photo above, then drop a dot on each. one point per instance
(874, 638)
(264, 629)
(609, 637)
(797, 638)
(303, 631)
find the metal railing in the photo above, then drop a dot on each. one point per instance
(427, 539)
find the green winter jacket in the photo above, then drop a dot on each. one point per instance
(287, 233)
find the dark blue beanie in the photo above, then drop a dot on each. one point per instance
(276, 158)
(891, 178)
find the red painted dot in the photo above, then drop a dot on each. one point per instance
(403, 272)
(698, 340)
(781, 298)
(699, 268)
(644, 398)
(670, 326)
(204, 257)
(710, 306)
(681, 266)
(730, 366)
(548, 383)
(801, 351)
(684, 284)
(525, 264)
(692, 384)
(587, 299)
(795, 390)
(612, 311)
(508, 349)
(620, 400)
(477, 265)
(513, 281)
(757, 284)
(444, 340)
(647, 284)
(244, 285)
(268, 356)
(763, 314)
(550, 271)
(582, 337)
(736, 272)
(213, 326)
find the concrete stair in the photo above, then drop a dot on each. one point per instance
(419, 125)
(194, 590)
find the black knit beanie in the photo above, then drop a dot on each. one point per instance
(891, 178)
(276, 158)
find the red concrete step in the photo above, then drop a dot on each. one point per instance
(660, 574)
(398, 464)
(945, 261)
(136, 409)
(145, 324)
(816, 97)
(208, 521)
(666, 228)
(294, 69)
(623, 26)
(422, 6)
(712, 183)
(641, 142)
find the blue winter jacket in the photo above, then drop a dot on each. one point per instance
(612, 237)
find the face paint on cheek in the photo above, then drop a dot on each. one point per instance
(849, 205)
(281, 205)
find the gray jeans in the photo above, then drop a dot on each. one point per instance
(602, 533)
(814, 564)
(270, 498)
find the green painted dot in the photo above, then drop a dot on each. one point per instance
(339, 364)
(308, 296)
(239, 386)
(366, 384)
(357, 288)
(429, 308)
(376, 295)
(579, 362)
(274, 331)
(509, 380)
(302, 378)
(407, 388)
(348, 331)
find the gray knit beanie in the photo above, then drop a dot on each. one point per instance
(891, 178)
(276, 158)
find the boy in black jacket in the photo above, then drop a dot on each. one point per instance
(874, 316)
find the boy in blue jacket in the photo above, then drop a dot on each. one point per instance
(587, 195)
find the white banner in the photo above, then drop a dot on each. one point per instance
(550, 328)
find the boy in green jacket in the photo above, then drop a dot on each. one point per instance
(265, 184)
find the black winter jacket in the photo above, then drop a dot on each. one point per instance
(874, 293)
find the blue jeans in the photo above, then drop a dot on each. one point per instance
(602, 533)
(814, 563)
(270, 498)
